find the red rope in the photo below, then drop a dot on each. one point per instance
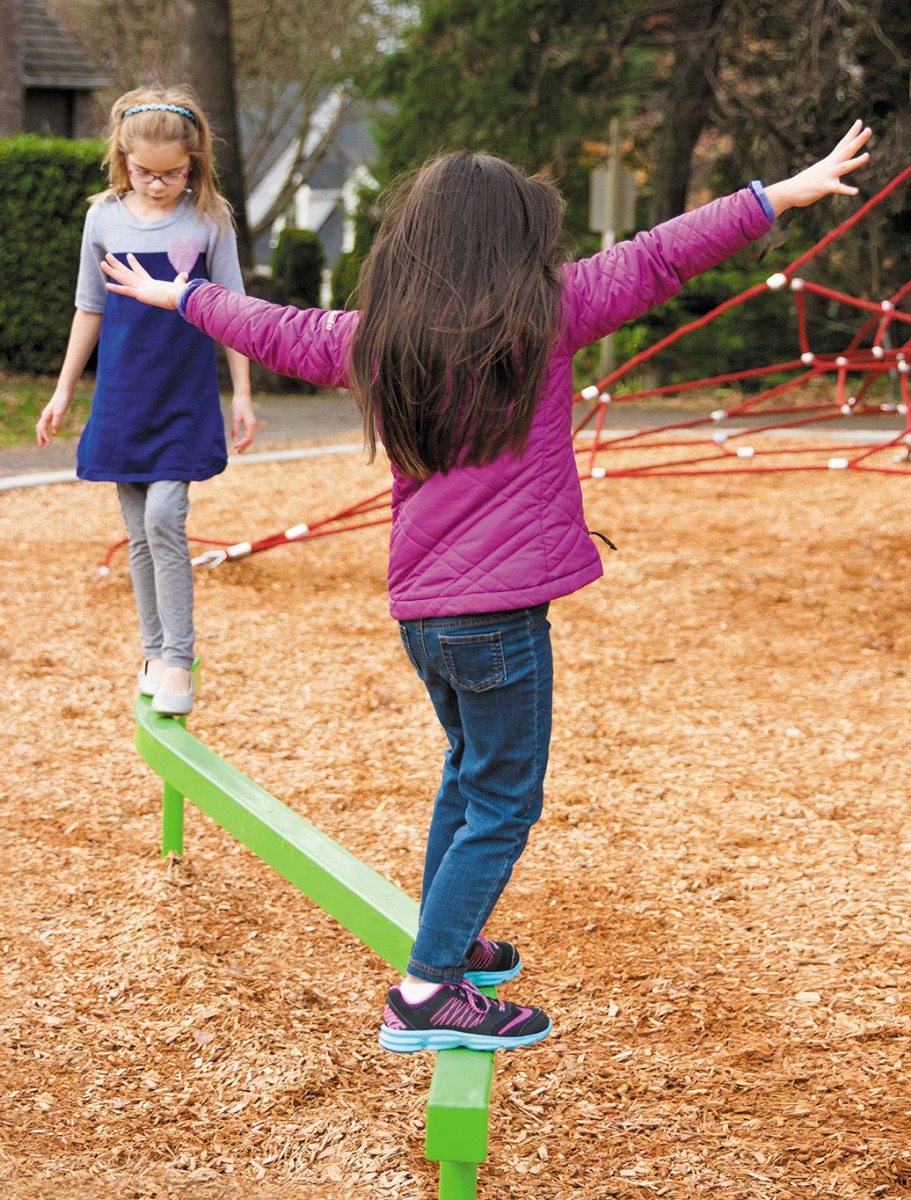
(834, 234)
(699, 323)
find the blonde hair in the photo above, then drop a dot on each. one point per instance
(160, 114)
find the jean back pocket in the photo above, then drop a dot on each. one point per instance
(474, 661)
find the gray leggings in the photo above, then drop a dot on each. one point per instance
(156, 520)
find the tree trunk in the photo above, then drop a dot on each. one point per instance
(207, 65)
(688, 102)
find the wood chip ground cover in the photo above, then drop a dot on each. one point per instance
(714, 908)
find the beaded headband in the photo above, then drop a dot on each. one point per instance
(174, 108)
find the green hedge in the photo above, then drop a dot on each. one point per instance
(347, 268)
(44, 184)
(297, 266)
(344, 279)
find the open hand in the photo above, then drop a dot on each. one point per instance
(823, 178)
(135, 281)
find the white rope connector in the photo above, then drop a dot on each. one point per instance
(296, 531)
(887, 306)
(845, 410)
(841, 361)
(745, 451)
(598, 472)
(904, 367)
(807, 358)
(590, 393)
(837, 464)
(777, 281)
(211, 558)
(606, 397)
(719, 438)
(241, 550)
(719, 414)
(878, 352)
(796, 284)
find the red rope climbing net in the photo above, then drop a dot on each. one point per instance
(878, 350)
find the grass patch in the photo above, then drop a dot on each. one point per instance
(22, 397)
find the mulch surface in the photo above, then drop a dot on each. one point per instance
(714, 908)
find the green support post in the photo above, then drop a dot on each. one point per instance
(377, 912)
(171, 821)
(457, 1119)
(458, 1181)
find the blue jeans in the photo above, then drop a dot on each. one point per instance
(490, 678)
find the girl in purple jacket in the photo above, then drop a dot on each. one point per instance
(460, 358)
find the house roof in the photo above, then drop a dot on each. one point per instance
(53, 58)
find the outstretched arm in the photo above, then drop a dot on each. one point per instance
(823, 178)
(309, 344)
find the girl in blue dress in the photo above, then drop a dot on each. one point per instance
(156, 422)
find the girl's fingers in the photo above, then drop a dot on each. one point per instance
(850, 165)
(856, 130)
(135, 273)
(114, 268)
(856, 137)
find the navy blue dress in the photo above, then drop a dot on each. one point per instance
(156, 409)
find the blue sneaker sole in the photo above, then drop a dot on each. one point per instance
(407, 1041)
(493, 978)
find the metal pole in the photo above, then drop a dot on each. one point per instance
(609, 236)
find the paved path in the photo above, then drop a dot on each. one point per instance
(290, 418)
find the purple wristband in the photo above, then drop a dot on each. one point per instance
(759, 193)
(185, 295)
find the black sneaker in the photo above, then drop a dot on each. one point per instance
(457, 1014)
(492, 963)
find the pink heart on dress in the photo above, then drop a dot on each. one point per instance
(183, 253)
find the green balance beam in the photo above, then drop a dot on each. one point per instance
(377, 912)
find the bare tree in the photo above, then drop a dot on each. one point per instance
(206, 60)
(297, 61)
(687, 101)
(292, 61)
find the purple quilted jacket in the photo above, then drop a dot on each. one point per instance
(512, 533)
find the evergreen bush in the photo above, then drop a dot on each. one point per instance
(44, 185)
(344, 279)
(297, 266)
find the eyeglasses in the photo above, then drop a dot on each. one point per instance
(168, 178)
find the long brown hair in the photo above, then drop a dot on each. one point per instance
(459, 303)
(165, 114)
